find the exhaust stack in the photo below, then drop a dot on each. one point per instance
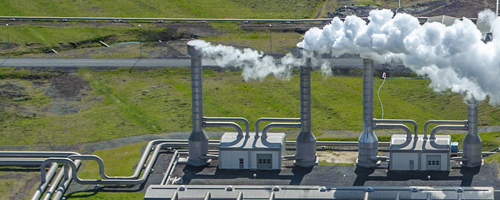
(472, 144)
(306, 142)
(198, 140)
(368, 141)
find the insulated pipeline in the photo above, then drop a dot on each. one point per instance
(274, 120)
(464, 122)
(278, 125)
(225, 124)
(409, 121)
(247, 125)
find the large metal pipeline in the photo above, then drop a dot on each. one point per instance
(415, 125)
(65, 183)
(368, 141)
(115, 180)
(272, 120)
(306, 142)
(225, 124)
(198, 140)
(41, 188)
(278, 125)
(460, 122)
(432, 139)
(472, 144)
(247, 125)
(397, 126)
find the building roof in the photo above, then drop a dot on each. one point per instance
(315, 192)
(230, 140)
(442, 143)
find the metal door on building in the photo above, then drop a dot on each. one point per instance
(433, 162)
(264, 161)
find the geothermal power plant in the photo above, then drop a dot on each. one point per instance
(245, 164)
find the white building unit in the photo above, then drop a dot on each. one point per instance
(251, 152)
(420, 155)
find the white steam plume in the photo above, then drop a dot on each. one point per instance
(452, 57)
(253, 63)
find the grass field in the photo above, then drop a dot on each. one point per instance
(127, 102)
(159, 8)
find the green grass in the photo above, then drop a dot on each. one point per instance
(35, 39)
(126, 111)
(118, 162)
(162, 8)
(323, 162)
(106, 195)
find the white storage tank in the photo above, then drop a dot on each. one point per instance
(250, 152)
(420, 154)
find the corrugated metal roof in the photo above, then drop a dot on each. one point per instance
(316, 192)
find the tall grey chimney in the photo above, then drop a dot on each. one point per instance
(306, 142)
(368, 141)
(472, 144)
(198, 140)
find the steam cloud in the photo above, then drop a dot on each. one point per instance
(453, 57)
(253, 63)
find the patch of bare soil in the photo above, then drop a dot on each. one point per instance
(68, 87)
(11, 90)
(338, 156)
(457, 8)
(66, 92)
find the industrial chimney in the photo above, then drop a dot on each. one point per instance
(306, 142)
(472, 144)
(198, 140)
(368, 142)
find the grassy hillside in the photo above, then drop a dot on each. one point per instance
(162, 8)
(102, 105)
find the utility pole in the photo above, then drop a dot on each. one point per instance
(140, 43)
(398, 7)
(497, 9)
(8, 39)
(270, 39)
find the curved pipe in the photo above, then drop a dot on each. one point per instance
(247, 125)
(225, 124)
(443, 127)
(446, 127)
(415, 125)
(139, 167)
(272, 119)
(442, 122)
(278, 125)
(106, 181)
(397, 126)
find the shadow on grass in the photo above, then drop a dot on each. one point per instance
(20, 169)
(106, 189)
